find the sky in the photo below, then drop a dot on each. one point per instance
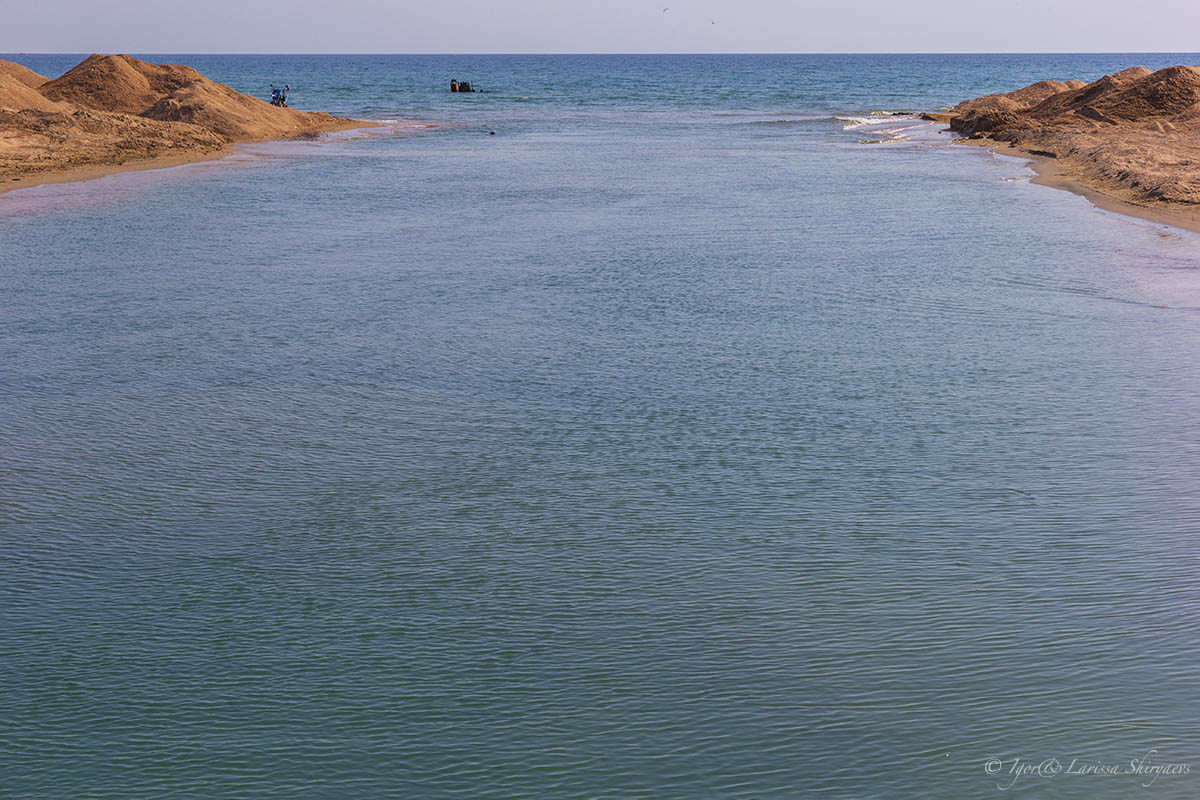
(603, 26)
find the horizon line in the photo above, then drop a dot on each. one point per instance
(626, 53)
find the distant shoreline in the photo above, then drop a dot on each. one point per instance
(112, 114)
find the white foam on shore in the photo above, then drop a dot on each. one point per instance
(880, 121)
(885, 127)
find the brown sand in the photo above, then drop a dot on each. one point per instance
(112, 113)
(1129, 142)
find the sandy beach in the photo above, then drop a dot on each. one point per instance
(1127, 142)
(116, 113)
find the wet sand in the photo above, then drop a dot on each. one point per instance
(1052, 173)
(94, 171)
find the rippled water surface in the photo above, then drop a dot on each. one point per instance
(669, 443)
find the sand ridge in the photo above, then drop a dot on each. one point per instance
(110, 111)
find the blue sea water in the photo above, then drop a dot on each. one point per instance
(669, 443)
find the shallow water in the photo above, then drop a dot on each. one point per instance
(666, 444)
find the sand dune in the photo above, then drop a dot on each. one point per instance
(119, 83)
(116, 110)
(1133, 135)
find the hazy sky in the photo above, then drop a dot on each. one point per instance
(614, 26)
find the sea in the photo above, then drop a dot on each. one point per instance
(668, 427)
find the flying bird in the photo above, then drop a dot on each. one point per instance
(665, 10)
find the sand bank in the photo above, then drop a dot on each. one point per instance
(91, 172)
(1129, 142)
(116, 113)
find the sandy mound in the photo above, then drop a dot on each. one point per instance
(19, 89)
(1166, 93)
(21, 74)
(232, 114)
(38, 141)
(175, 93)
(1134, 134)
(119, 83)
(113, 109)
(15, 96)
(1020, 100)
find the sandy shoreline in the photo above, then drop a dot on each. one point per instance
(93, 171)
(1052, 174)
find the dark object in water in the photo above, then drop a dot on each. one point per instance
(461, 86)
